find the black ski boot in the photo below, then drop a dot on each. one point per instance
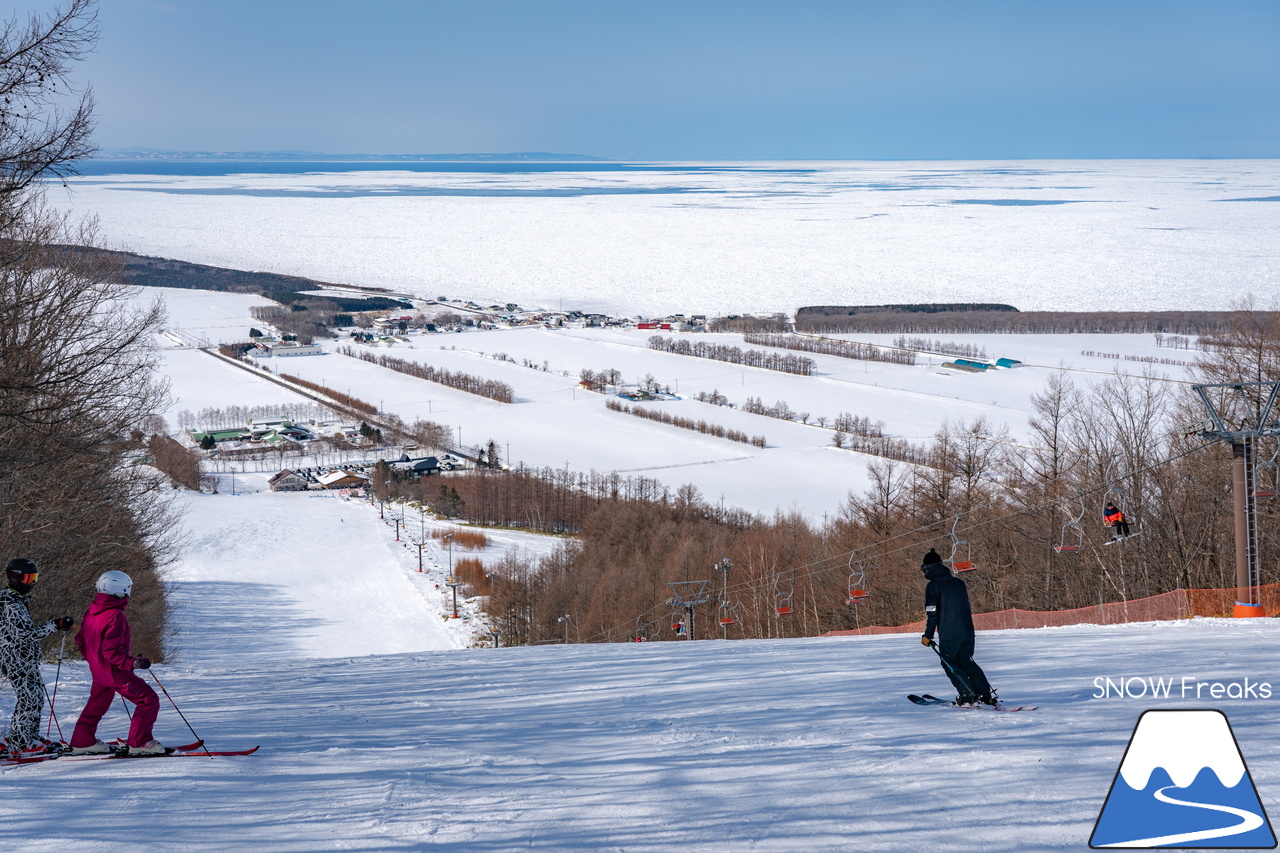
(966, 699)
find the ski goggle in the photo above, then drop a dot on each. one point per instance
(28, 577)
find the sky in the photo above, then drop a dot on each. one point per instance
(693, 79)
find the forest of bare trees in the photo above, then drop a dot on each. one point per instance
(942, 319)
(76, 353)
(1124, 438)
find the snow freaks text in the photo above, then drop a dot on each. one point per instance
(1186, 687)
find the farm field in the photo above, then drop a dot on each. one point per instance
(554, 423)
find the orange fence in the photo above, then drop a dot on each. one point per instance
(1179, 604)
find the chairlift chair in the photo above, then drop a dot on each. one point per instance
(728, 609)
(1072, 539)
(1266, 477)
(961, 549)
(1120, 498)
(857, 581)
(784, 589)
(728, 614)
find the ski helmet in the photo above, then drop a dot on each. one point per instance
(115, 583)
(22, 574)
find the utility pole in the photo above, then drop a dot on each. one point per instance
(565, 620)
(1240, 413)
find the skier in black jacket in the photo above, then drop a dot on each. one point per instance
(946, 606)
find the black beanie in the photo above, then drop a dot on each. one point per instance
(932, 557)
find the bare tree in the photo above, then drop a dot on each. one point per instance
(45, 121)
(76, 351)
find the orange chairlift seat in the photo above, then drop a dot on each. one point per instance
(857, 581)
(961, 558)
(1266, 476)
(784, 588)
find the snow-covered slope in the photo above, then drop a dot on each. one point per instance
(786, 745)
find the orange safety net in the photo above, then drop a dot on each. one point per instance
(1178, 604)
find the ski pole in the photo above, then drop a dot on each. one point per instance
(125, 705)
(951, 669)
(56, 678)
(52, 716)
(179, 710)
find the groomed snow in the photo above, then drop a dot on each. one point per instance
(789, 745)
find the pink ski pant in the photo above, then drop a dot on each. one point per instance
(100, 696)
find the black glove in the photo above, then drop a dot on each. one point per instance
(142, 663)
(64, 623)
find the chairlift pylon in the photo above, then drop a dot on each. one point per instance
(961, 549)
(1072, 538)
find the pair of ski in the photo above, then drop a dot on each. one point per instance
(190, 750)
(926, 699)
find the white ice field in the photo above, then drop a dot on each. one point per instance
(733, 237)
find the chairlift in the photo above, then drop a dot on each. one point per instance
(784, 588)
(857, 581)
(1266, 477)
(728, 610)
(1114, 495)
(728, 614)
(1072, 539)
(960, 549)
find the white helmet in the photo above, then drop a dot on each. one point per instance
(115, 583)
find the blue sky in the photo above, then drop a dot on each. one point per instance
(697, 79)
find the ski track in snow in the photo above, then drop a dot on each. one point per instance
(786, 745)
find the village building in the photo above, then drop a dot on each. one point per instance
(423, 466)
(284, 349)
(341, 480)
(287, 481)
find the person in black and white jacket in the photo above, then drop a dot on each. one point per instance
(20, 658)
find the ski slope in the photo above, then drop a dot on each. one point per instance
(379, 733)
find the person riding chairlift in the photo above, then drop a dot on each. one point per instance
(1115, 518)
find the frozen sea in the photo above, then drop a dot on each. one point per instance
(655, 238)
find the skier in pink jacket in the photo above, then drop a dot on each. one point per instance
(104, 641)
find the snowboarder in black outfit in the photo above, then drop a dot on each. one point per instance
(946, 606)
(20, 657)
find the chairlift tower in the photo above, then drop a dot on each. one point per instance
(689, 594)
(1240, 413)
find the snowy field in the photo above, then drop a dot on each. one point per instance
(791, 746)
(553, 423)
(731, 237)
